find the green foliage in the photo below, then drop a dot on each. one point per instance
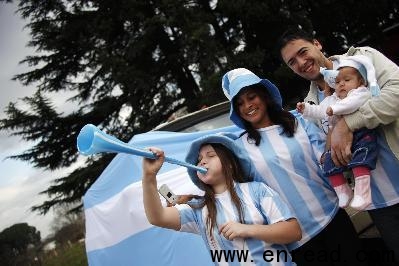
(14, 242)
(74, 255)
(155, 57)
(67, 226)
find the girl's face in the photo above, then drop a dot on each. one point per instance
(253, 109)
(208, 159)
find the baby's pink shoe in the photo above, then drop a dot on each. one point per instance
(362, 194)
(344, 193)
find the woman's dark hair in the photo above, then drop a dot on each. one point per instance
(276, 114)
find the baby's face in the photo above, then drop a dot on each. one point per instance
(348, 79)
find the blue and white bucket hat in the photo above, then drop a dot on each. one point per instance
(192, 156)
(236, 79)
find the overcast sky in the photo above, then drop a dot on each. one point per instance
(20, 183)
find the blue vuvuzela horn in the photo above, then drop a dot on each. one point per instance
(92, 140)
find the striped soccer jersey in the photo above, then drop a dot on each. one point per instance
(261, 205)
(290, 166)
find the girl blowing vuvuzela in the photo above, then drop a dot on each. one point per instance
(235, 213)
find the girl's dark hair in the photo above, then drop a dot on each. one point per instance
(276, 114)
(232, 170)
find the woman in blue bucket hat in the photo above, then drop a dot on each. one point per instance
(285, 149)
(235, 213)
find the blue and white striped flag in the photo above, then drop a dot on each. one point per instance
(117, 230)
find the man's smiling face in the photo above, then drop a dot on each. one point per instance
(304, 58)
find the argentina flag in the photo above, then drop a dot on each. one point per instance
(117, 230)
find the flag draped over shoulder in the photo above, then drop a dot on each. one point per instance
(117, 230)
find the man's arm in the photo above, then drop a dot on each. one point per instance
(382, 109)
(341, 143)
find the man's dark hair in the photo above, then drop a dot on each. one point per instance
(291, 34)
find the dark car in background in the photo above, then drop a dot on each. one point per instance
(207, 118)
